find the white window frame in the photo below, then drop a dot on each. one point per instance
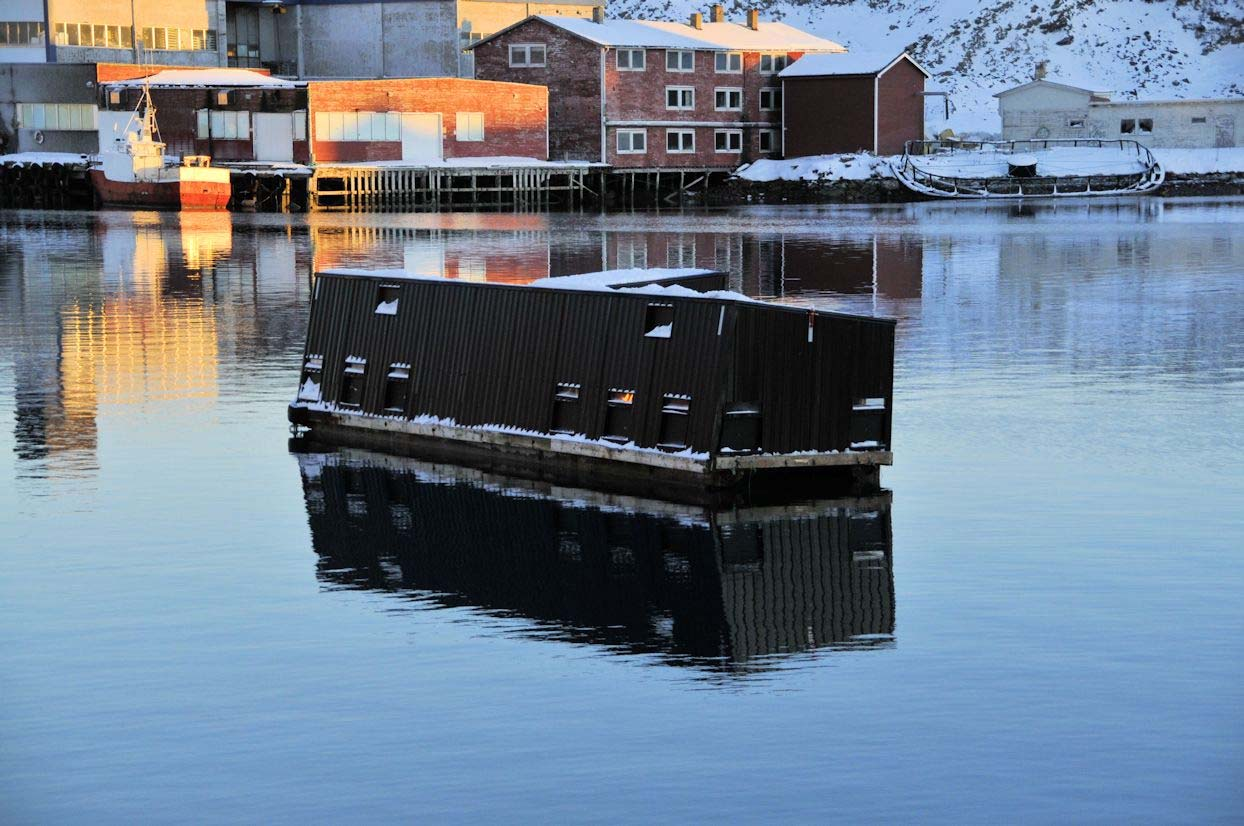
(730, 57)
(777, 62)
(669, 53)
(774, 93)
(469, 126)
(617, 141)
(682, 133)
(630, 60)
(61, 117)
(230, 124)
(728, 90)
(772, 135)
(1075, 123)
(525, 49)
(683, 105)
(737, 133)
(300, 124)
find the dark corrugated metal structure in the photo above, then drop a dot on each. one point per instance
(695, 587)
(717, 379)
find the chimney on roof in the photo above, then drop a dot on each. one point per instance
(598, 14)
(1039, 72)
(697, 20)
(717, 13)
(753, 19)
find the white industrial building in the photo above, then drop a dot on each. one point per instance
(1045, 109)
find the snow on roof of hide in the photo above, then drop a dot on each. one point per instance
(209, 77)
(850, 63)
(653, 34)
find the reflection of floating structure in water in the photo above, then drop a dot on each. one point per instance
(617, 378)
(1028, 168)
(697, 587)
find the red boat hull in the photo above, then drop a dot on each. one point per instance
(163, 195)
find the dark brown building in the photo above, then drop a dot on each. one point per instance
(852, 102)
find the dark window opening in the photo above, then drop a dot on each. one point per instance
(675, 416)
(1198, 120)
(742, 546)
(309, 389)
(659, 321)
(352, 383)
(1144, 126)
(396, 388)
(740, 428)
(1127, 126)
(386, 299)
(618, 415)
(565, 409)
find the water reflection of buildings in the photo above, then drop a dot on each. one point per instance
(121, 322)
(528, 247)
(721, 591)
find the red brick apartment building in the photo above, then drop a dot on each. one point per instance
(245, 115)
(653, 95)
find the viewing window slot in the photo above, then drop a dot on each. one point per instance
(397, 388)
(675, 419)
(618, 415)
(309, 390)
(740, 427)
(352, 382)
(566, 409)
(386, 299)
(659, 321)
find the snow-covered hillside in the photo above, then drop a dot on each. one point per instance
(1159, 49)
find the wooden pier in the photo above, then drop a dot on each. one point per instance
(359, 187)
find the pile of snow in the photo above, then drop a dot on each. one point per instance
(1201, 161)
(856, 166)
(45, 158)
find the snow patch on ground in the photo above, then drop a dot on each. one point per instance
(855, 166)
(1061, 161)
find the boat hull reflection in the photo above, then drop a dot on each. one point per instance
(732, 590)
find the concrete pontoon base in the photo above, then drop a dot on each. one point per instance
(713, 480)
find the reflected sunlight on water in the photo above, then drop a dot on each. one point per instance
(1042, 615)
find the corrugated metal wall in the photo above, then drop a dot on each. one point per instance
(645, 582)
(493, 354)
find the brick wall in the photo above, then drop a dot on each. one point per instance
(640, 96)
(572, 76)
(515, 115)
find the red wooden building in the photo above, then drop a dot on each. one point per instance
(877, 104)
(240, 115)
(653, 95)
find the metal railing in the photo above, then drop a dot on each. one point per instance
(932, 183)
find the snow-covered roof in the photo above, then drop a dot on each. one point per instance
(209, 77)
(1049, 84)
(850, 63)
(651, 34)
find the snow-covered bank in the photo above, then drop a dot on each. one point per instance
(860, 166)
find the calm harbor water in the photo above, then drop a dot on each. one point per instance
(1040, 620)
